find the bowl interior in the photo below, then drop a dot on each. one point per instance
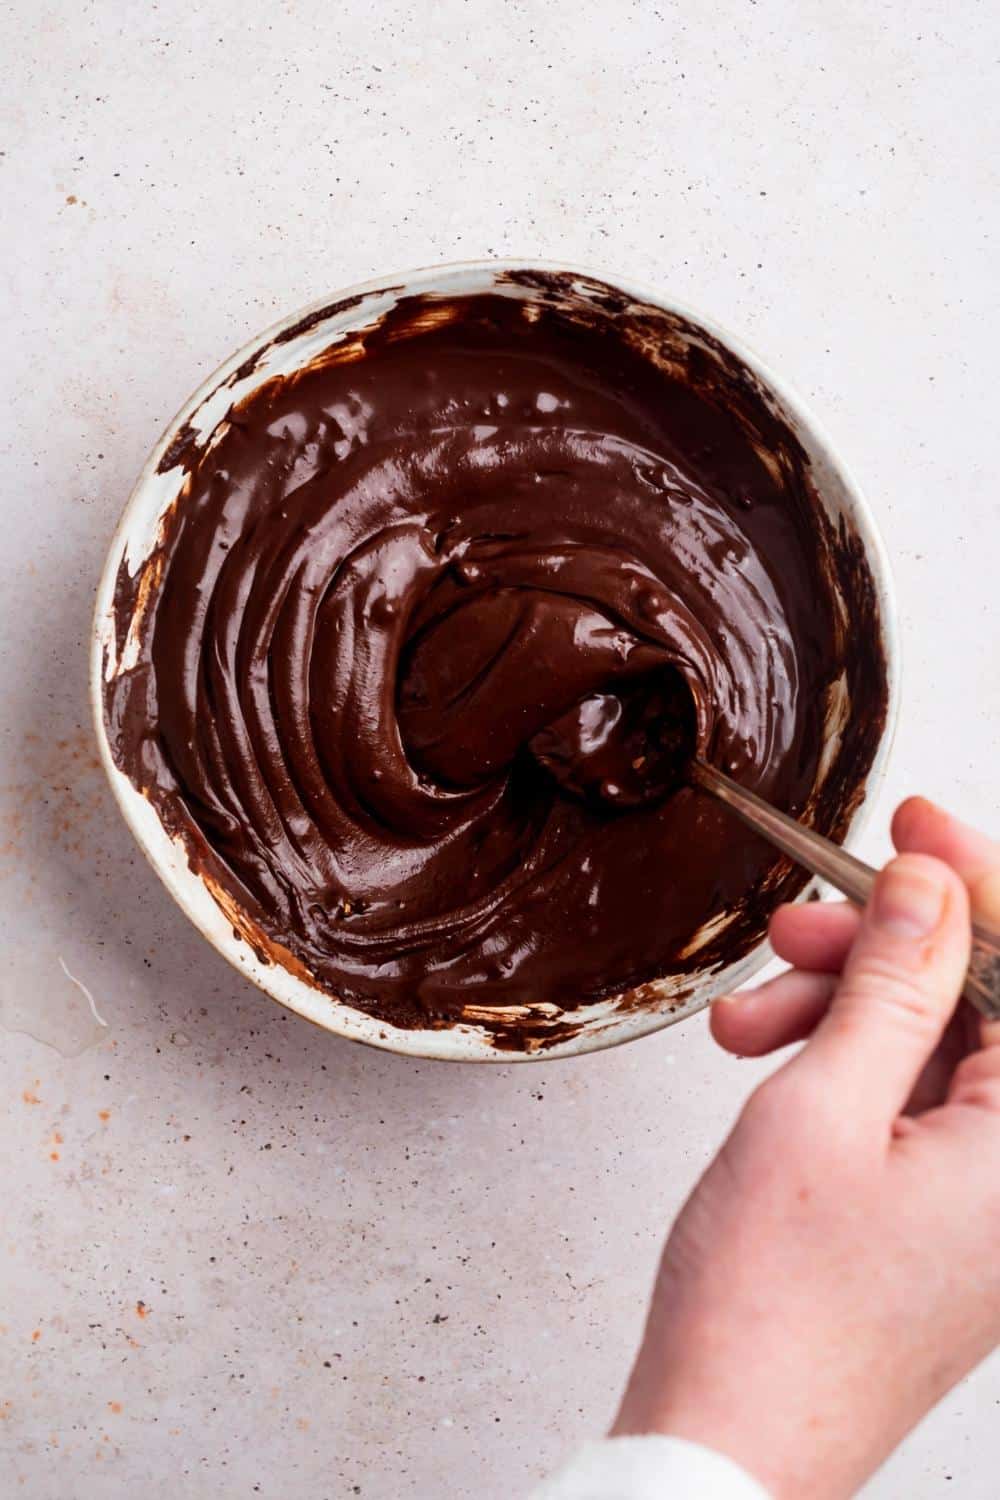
(672, 333)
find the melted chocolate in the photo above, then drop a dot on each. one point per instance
(433, 625)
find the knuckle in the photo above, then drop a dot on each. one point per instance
(976, 1081)
(762, 1110)
(780, 1104)
(802, 1127)
(881, 981)
(982, 1095)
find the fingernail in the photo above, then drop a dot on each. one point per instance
(723, 999)
(905, 903)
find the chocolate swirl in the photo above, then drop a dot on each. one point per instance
(429, 626)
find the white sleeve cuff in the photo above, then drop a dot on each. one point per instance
(649, 1468)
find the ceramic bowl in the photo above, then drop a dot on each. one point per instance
(288, 346)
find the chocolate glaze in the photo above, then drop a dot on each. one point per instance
(433, 623)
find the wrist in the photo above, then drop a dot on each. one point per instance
(787, 1455)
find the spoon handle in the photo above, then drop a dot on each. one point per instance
(851, 876)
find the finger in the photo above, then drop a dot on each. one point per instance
(775, 1014)
(921, 825)
(976, 1080)
(815, 935)
(899, 987)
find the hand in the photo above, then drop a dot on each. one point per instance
(836, 1270)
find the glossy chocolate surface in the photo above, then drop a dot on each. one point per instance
(429, 629)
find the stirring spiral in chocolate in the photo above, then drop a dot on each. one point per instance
(432, 626)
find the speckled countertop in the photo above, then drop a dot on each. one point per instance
(240, 1257)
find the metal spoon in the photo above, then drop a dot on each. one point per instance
(852, 877)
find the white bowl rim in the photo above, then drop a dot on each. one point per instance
(468, 1043)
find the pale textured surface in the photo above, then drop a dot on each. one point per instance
(361, 1275)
